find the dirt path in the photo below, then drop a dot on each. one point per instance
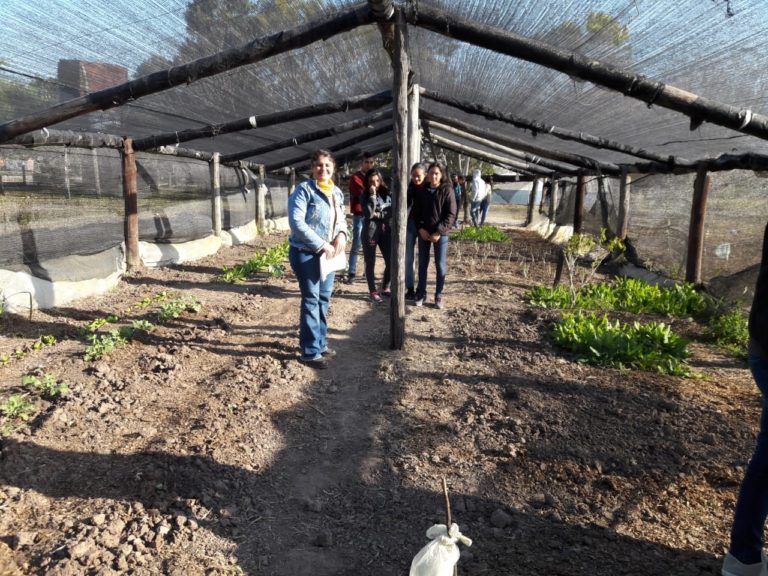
(204, 447)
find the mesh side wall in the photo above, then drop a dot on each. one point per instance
(238, 197)
(56, 201)
(277, 198)
(174, 198)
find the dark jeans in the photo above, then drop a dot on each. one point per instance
(484, 207)
(441, 255)
(384, 242)
(752, 505)
(315, 299)
(410, 250)
(477, 211)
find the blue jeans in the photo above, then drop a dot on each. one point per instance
(476, 212)
(441, 255)
(357, 228)
(410, 252)
(752, 505)
(315, 299)
(484, 207)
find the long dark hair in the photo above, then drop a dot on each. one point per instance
(443, 179)
(382, 190)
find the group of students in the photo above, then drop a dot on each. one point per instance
(319, 230)
(432, 211)
(475, 197)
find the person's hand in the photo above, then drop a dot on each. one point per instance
(434, 238)
(328, 250)
(338, 243)
(372, 190)
(424, 235)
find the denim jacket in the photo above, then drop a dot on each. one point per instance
(310, 216)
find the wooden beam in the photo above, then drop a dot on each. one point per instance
(562, 134)
(131, 214)
(365, 102)
(575, 65)
(585, 162)
(495, 158)
(578, 211)
(400, 168)
(304, 157)
(414, 132)
(310, 136)
(254, 51)
(514, 152)
(701, 189)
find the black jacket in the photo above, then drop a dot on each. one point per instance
(378, 214)
(758, 317)
(435, 212)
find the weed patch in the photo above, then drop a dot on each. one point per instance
(47, 386)
(730, 331)
(481, 234)
(176, 308)
(272, 261)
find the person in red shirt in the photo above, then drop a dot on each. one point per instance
(356, 189)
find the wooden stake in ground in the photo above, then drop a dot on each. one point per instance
(696, 228)
(131, 217)
(448, 520)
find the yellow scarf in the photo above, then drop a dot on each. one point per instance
(326, 187)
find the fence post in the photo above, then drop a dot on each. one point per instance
(578, 211)
(96, 175)
(696, 229)
(292, 181)
(414, 133)
(216, 193)
(624, 194)
(131, 216)
(261, 196)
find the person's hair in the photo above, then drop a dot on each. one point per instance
(373, 172)
(418, 166)
(317, 154)
(367, 155)
(439, 167)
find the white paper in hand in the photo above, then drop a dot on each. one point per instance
(328, 265)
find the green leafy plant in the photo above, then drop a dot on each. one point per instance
(17, 407)
(47, 386)
(730, 331)
(4, 359)
(143, 325)
(599, 341)
(48, 340)
(99, 322)
(272, 261)
(483, 233)
(176, 308)
(103, 344)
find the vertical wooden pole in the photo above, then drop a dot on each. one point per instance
(414, 133)
(66, 172)
(401, 65)
(537, 188)
(696, 229)
(96, 175)
(553, 201)
(292, 180)
(578, 211)
(131, 216)
(624, 195)
(216, 193)
(261, 198)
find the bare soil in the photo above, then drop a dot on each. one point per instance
(204, 447)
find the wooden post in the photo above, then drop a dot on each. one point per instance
(131, 216)
(696, 229)
(96, 175)
(66, 172)
(401, 65)
(261, 198)
(553, 201)
(414, 133)
(292, 180)
(537, 188)
(578, 211)
(624, 194)
(216, 193)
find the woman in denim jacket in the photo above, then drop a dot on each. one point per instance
(318, 230)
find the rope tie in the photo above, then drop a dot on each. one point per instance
(747, 114)
(659, 89)
(252, 121)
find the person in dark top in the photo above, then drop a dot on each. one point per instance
(377, 231)
(356, 189)
(417, 183)
(434, 212)
(458, 191)
(744, 557)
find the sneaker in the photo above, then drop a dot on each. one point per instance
(410, 294)
(733, 567)
(350, 278)
(328, 353)
(439, 301)
(386, 292)
(419, 300)
(317, 362)
(375, 296)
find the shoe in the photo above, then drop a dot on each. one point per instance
(350, 278)
(375, 296)
(733, 567)
(410, 294)
(386, 292)
(317, 362)
(419, 300)
(328, 353)
(439, 301)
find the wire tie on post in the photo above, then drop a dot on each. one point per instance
(747, 118)
(659, 89)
